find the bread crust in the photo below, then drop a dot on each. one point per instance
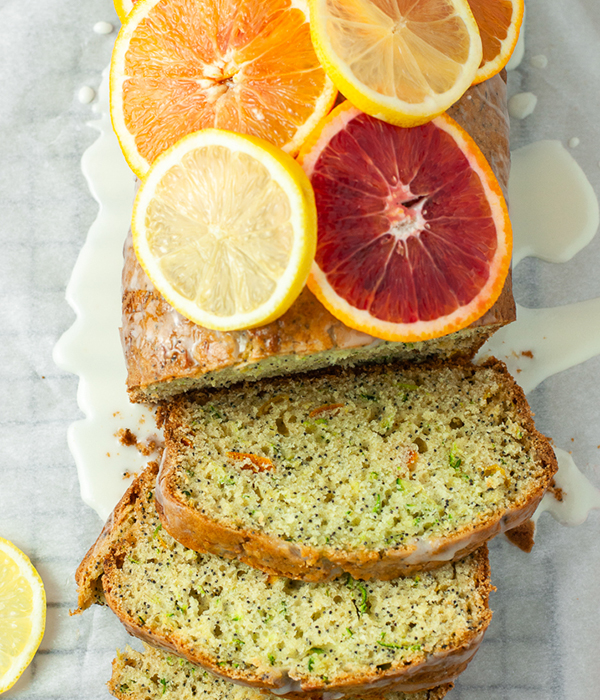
(274, 555)
(162, 347)
(100, 568)
(89, 573)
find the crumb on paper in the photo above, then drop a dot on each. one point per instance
(148, 447)
(129, 475)
(522, 536)
(108, 454)
(527, 353)
(142, 420)
(556, 491)
(519, 371)
(116, 413)
(126, 437)
(145, 447)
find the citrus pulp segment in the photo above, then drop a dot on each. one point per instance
(179, 66)
(399, 60)
(22, 613)
(499, 23)
(414, 239)
(225, 227)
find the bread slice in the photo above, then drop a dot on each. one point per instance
(376, 471)
(166, 354)
(158, 675)
(294, 638)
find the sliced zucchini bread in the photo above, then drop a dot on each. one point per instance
(158, 675)
(375, 471)
(295, 638)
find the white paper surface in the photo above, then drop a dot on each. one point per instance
(544, 639)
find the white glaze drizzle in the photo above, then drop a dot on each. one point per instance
(86, 94)
(553, 207)
(580, 496)
(539, 61)
(558, 338)
(103, 28)
(91, 348)
(522, 105)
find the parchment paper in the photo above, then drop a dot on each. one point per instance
(544, 640)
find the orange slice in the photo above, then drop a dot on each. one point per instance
(247, 66)
(499, 23)
(414, 239)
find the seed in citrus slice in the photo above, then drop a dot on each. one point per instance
(225, 227)
(402, 61)
(179, 66)
(22, 613)
(499, 23)
(414, 239)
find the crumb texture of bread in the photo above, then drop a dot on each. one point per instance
(166, 354)
(378, 470)
(156, 674)
(297, 638)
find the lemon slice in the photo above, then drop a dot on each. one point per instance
(225, 227)
(22, 613)
(401, 61)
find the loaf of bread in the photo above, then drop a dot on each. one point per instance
(167, 354)
(298, 639)
(157, 675)
(377, 471)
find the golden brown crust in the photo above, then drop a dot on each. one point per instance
(161, 346)
(275, 555)
(91, 570)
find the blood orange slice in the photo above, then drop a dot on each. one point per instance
(414, 239)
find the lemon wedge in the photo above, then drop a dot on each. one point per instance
(22, 613)
(224, 225)
(402, 61)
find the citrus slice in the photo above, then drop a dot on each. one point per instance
(414, 239)
(22, 613)
(123, 8)
(225, 227)
(402, 61)
(499, 23)
(248, 66)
